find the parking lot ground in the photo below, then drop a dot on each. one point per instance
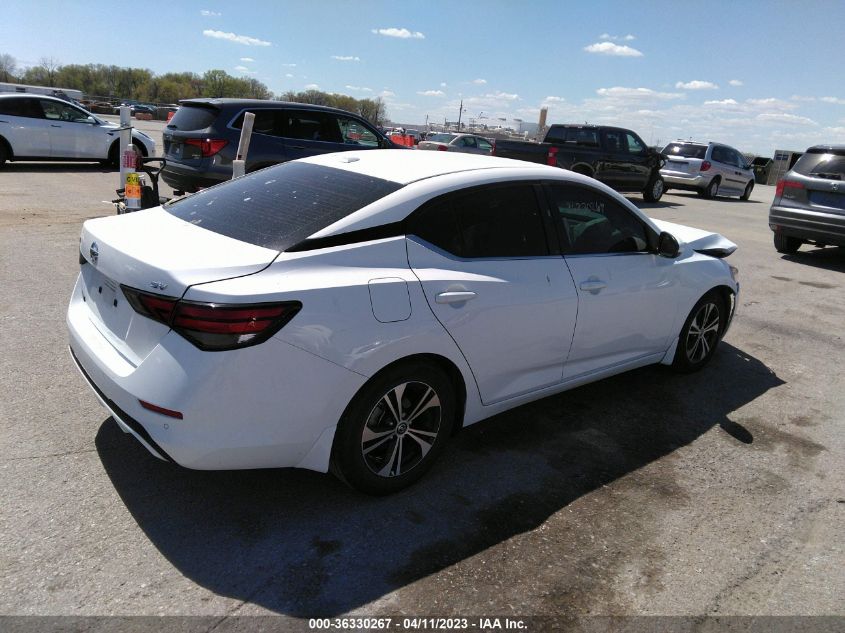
(650, 493)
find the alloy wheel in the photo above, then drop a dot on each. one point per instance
(703, 332)
(401, 429)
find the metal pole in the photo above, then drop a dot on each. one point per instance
(460, 111)
(239, 164)
(125, 141)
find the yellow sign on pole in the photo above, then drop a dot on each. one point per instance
(133, 191)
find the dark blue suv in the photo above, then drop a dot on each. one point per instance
(201, 140)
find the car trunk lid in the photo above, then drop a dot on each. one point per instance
(157, 253)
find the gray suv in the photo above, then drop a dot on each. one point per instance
(709, 169)
(809, 204)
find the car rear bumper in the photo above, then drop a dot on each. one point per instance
(267, 406)
(182, 178)
(806, 224)
(679, 180)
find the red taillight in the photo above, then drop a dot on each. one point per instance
(551, 158)
(787, 184)
(208, 146)
(705, 166)
(442, 148)
(157, 409)
(213, 326)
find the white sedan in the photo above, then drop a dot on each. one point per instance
(349, 311)
(37, 127)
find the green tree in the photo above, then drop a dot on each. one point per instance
(8, 68)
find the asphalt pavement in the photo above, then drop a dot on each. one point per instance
(650, 493)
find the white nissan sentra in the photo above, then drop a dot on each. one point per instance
(350, 311)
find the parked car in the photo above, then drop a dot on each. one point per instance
(201, 139)
(709, 169)
(466, 143)
(352, 310)
(809, 203)
(615, 156)
(47, 128)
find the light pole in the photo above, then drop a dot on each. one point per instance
(460, 112)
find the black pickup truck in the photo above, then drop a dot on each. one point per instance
(615, 156)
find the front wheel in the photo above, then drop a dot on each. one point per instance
(711, 189)
(701, 333)
(394, 429)
(746, 195)
(4, 155)
(655, 189)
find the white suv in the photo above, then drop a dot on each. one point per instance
(35, 127)
(710, 169)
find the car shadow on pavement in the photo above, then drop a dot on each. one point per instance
(56, 168)
(302, 544)
(829, 258)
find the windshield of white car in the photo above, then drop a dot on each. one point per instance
(684, 150)
(280, 206)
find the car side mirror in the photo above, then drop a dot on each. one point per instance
(667, 245)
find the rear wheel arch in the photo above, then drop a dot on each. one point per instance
(584, 170)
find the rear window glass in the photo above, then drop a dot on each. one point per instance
(280, 206)
(442, 138)
(683, 150)
(190, 117)
(828, 164)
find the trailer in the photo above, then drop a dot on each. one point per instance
(68, 94)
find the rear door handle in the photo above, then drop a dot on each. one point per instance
(593, 285)
(54, 125)
(454, 296)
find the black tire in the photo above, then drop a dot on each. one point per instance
(376, 465)
(746, 195)
(4, 154)
(113, 159)
(701, 333)
(786, 244)
(655, 189)
(711, 189)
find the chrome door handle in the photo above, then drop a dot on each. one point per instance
(455, 296)
(593, 285)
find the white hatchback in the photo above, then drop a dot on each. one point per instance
(37, 127)
(352, 310)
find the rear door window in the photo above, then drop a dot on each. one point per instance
(267, 121)
(312, 125)
(583, 136)
(280, 206)
(486, 222)
(720, 155)
(614, 141)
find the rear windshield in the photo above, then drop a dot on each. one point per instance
(280, 206)
(683, 150)
(191, 117)
(442, 138)
(822, 163)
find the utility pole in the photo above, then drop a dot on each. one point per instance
(460, 112)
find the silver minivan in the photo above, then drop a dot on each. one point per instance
(709, 169)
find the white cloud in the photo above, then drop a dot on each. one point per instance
(288, 65)
(358, 88)
(246, 40)
(802, 98)
(609, 48)
(723, 102)
(210, 14)
(247, 59)
(617, 38)
(431, 93)
(386, 93)
(479, 81)
(346, 58)
(502, 96)
(835, 100)
(288, 75)
(735, 82)
(553, 99)
(782, 117)
(400, 33)
(442, 84)
(619, 92)
(312, 87)
(242, 69)
(696, 84)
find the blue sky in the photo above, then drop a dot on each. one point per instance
(757, 75)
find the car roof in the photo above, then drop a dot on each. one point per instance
(407, 166)
(836, 147)
(261, 103)
(31, 95)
